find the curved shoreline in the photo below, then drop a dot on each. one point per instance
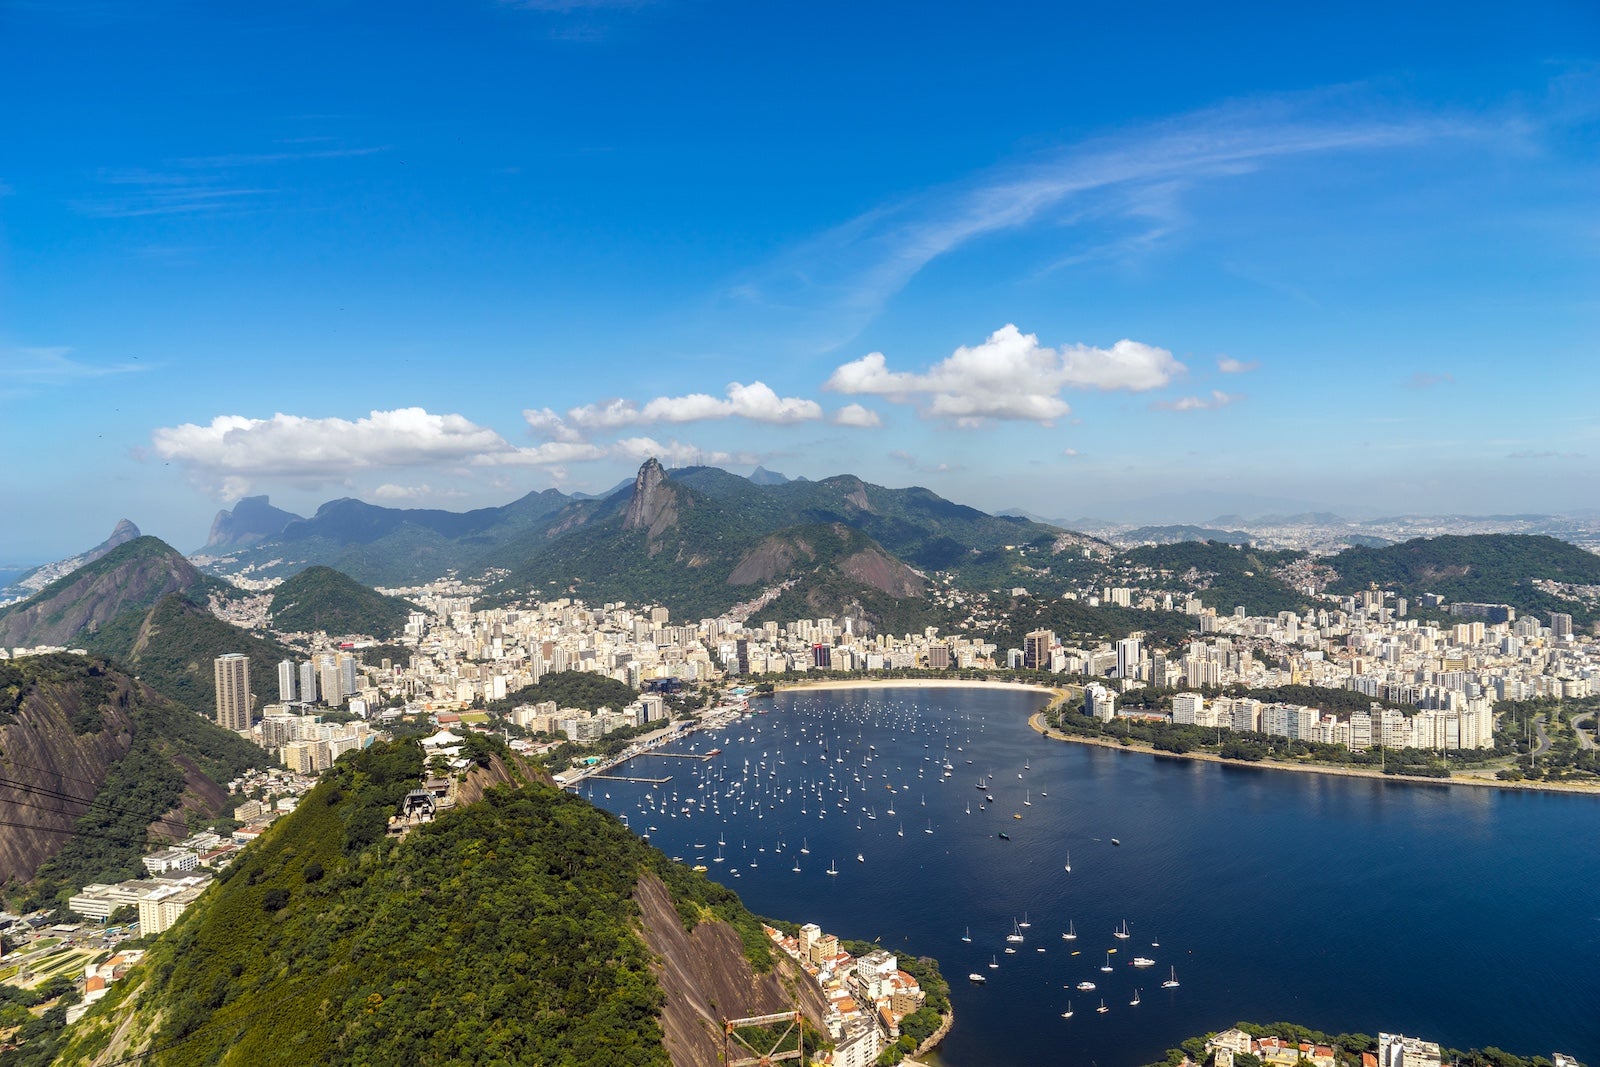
(1059, 694)
(1036, 721)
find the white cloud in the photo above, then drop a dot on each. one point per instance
(391, 491)
(548, 454)
(1217, 399)
(1009, 376)
(678, 454)
(756, 402)
(233, 449)
(1071, 453)
(1229, 365)
(856, 415)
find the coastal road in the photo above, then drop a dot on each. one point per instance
(1544, 739)
(1585, 736)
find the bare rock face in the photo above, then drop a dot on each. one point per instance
(876, 568)
(707, 979)
(654, 506)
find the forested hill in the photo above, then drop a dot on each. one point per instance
(96, 767)
(134, 575)
(321, 598)
(527, 927)
(1481, 568)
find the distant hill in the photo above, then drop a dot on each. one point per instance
(1480, 568)
(321, 598)
(762, 476)
(701, 540)
(100, 766)
(171, 646)
(550, 933)
(713, 517)
(251, 521)
(131, 576)
(1225, 576)
(393, 546)
(32, 581)
(1163, 535)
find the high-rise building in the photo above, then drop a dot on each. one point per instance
(308, 682)
(286, 680)
(347, 674)
(232, 673)
(1128, 657)
(1560, 624)
(1036, 650)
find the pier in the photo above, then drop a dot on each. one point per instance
(626, 778)
(679, 755)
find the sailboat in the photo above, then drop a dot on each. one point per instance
(1102, 1009)
(1071, 934)
(994, 963)
(1027, 803)
(833, 868)
(796, 867)
(1069, 861)
(1107, 966)
(805, 850)
(1068, 1013)
(1015, 936)
(1024, 923)
(967, 937)
(1172, 982)
(1121, 932)
(1135, 1001)
(929, 830)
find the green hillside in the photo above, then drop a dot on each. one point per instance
(1224, 576)
(504, 932)
(321, 598)
(174, 757)
(1480, 568)
(171, 648)
(131, 577)
(573, 689)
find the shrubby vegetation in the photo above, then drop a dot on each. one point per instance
(501, 932)
(321, 598)
(572, 689)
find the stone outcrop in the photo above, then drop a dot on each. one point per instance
(706, 979)
(654, 504)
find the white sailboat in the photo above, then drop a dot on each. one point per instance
(1069, 861)
(833, 868)
(1106, 967)
(1102, 1009)
(1071, 934)
(1121, 932)
(1172, 982)
(967, 937)
(1135, 1001)
(1068, 1013)
(1015, 936)
(1024, 923)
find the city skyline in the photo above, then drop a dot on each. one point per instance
(1054, 260)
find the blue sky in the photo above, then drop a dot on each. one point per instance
(1056, 257)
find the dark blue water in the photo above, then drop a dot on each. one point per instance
(1467, 916)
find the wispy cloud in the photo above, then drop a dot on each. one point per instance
(848, 273)
(1229, 365)
(192, 185)
(55, 366)
(1546, 455)
(1217, 399)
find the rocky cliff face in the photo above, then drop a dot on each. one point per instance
(654, 505)
(46, 758)
(706, 979)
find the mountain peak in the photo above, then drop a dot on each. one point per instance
(654, 504)
(762, 476)
(251, 520)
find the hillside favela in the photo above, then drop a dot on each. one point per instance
(606, 533)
